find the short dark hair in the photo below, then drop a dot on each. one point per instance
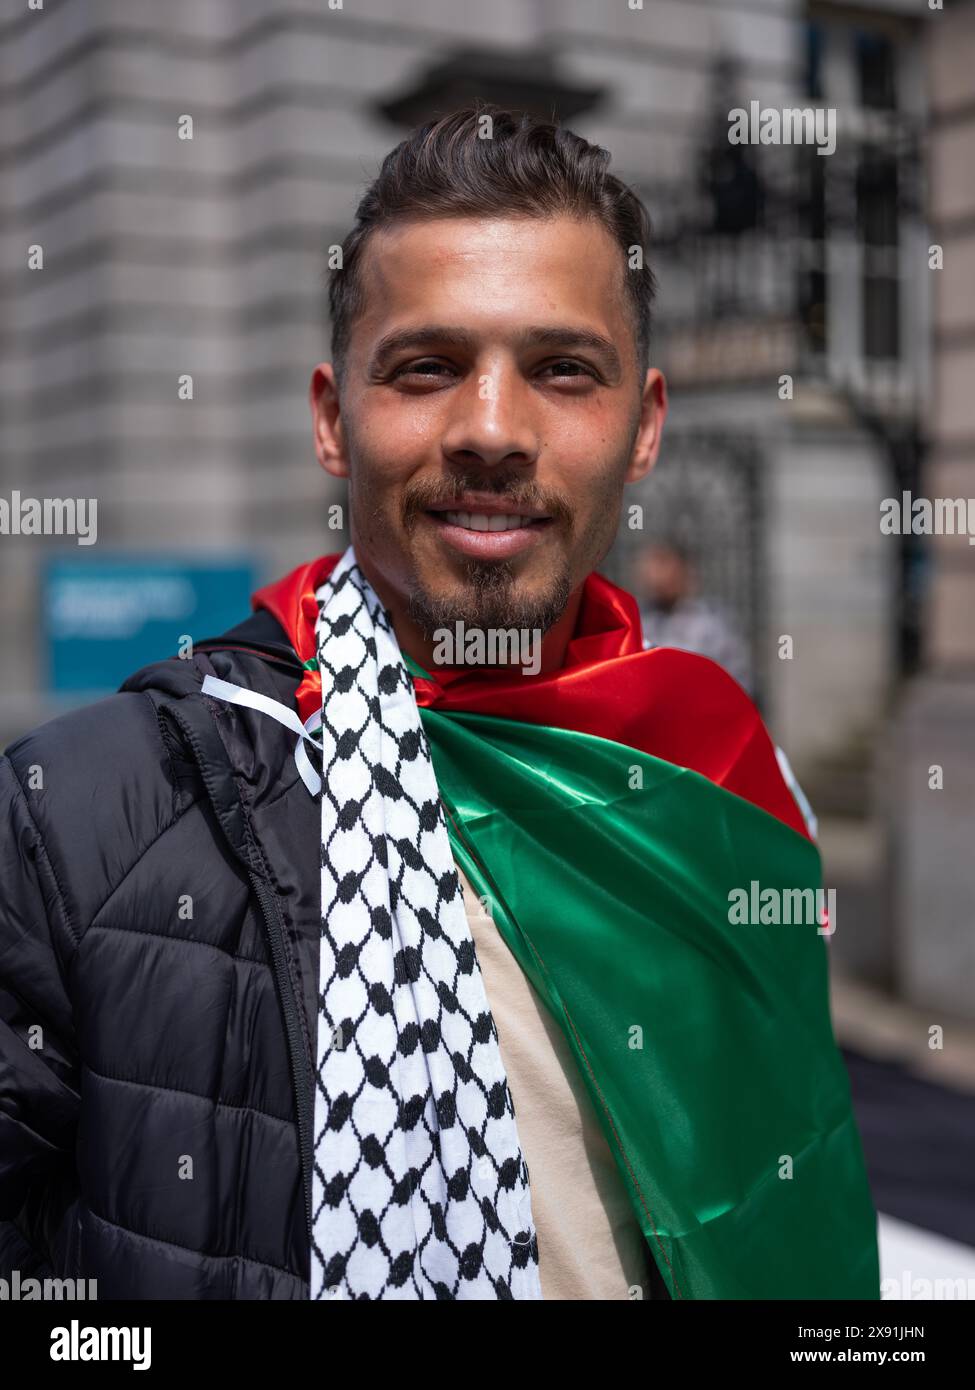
(529, 167)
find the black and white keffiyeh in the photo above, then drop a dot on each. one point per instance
(420, 1186)
(420, 1189)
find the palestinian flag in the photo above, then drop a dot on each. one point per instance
(609, 813)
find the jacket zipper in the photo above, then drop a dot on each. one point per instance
(295, 1042)
(301, 1082)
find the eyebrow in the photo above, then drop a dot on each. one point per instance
(542, 335)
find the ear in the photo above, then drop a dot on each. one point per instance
(653, 413)
(327, 432)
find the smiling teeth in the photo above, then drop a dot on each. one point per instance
(480, 521)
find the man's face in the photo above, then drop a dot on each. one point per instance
(489, 416)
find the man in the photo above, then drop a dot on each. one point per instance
(438, 994)
(674, 615)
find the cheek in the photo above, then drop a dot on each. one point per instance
(375, 448)
(590, 450)
(596, 489)
(391, 437)
(373, 488)
(597, 519)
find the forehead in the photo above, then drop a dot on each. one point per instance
(488, 271)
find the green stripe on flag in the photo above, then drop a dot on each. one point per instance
(706, 1046)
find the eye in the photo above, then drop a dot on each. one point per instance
(569, 367)
(420, 369)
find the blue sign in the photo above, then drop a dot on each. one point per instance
(105, 618)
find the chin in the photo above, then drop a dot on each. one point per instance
(490, 596)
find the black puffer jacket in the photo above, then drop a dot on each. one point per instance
(159, 929)
(159, 921)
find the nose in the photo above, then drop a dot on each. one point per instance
(491, 422)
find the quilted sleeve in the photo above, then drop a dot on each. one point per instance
(39, 1092)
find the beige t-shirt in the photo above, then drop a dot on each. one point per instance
(590, 1245)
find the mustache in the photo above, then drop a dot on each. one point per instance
(424, 493)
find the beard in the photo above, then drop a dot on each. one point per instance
(489, 597)
(489, 594)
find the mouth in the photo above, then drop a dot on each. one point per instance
(488, 521)
(486, 530)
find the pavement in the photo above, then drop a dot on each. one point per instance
(915, 1108)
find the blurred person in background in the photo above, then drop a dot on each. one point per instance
(674, 614)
